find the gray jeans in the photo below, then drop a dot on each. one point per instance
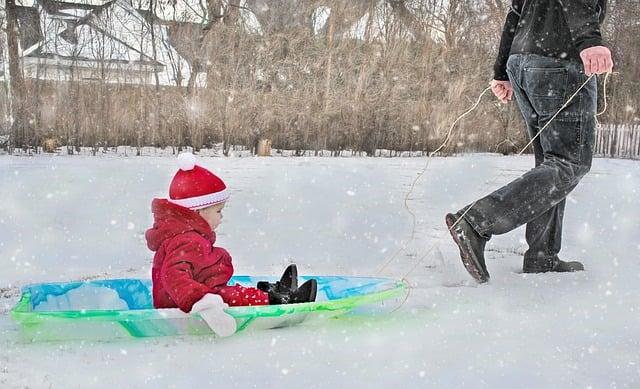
(563, 155)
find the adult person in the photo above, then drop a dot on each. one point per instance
(548, 49)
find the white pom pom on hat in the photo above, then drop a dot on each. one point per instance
(186, 161)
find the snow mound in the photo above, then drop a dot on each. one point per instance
(85, 297)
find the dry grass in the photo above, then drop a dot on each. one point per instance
(308, 92)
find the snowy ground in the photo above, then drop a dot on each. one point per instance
(65, 218)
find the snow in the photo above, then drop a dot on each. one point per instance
(248, 20)
(376, 28)
(320, 16)
(83, 297)
(78, 217)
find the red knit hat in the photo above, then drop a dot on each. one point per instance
(195, 187)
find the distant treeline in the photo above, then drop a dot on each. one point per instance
(396, 88)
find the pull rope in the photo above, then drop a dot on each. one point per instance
(604, 94)
(420, 174)
(446, 140)
(604, 97)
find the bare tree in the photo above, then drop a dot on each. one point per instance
(19, 114)
(330, 75)
(5, 101)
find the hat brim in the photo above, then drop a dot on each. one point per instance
(199, 202)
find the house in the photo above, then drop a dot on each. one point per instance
(113, 42)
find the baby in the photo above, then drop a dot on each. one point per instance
(188, 271)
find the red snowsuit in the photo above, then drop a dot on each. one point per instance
(186, 266)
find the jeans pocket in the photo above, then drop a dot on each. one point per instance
(546, 82)
(546, 88)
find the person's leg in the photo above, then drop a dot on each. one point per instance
(541, 232)
(466, 236)
(544, 234)
(544, 84)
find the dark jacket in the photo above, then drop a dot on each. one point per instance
(553, 28)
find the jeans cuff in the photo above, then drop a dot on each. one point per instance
(471, 219)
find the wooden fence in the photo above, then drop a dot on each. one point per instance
(618, 142)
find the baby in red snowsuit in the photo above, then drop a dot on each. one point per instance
(188, 271)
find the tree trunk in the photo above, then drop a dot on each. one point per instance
(19, 120)
(155, 129)
(327, 86)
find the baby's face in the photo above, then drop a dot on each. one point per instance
(213, 215)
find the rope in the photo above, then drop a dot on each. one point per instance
(604, 95)
(446, 140)
(604, 88)
(420, 174)
(447, 231)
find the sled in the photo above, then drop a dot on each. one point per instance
(123, 308)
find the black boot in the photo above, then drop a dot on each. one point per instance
(554, 264)
(288, 281)
(570, 266)
(471, 246)
(304, 294)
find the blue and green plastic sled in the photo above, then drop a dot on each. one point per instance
(123, 308)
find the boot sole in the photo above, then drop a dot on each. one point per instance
(469, 260)
(552, 270)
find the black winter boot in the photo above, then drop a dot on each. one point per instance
(553, 264)
(304, 294)
(568, 266)
(471, 246)
(288, 281)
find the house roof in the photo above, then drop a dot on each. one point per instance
(76, 15)
(67, 9)
(59, 32)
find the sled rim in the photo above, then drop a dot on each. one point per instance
(24, 314)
